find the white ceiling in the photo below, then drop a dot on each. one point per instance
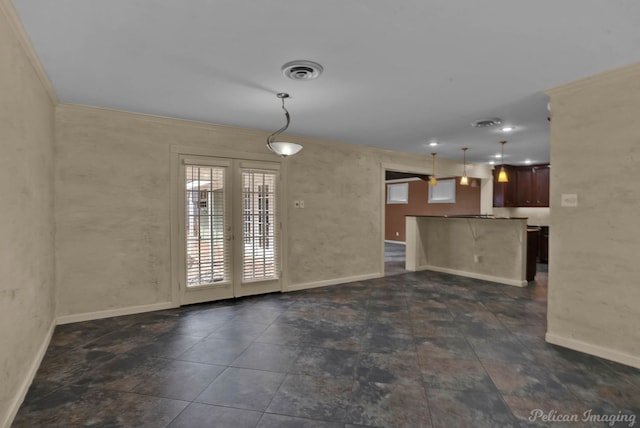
(397, 73)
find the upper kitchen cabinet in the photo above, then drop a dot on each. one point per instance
(541, 186)
(528, 186)
(524, 187)
(504, 194)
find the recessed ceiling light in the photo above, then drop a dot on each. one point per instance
(497, 156)
(492, 162)
(433, 143)
(527, 161)
(507, 128)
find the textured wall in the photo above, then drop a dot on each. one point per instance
(112, 196)
(27, 298)
(594, 285)
(451, 244)
(113, 217)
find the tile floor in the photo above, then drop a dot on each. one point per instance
(410, 350)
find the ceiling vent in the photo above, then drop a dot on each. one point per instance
(302, 70)
(486, 123)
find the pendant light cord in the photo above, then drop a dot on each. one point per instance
(464, 151)
(284, 128)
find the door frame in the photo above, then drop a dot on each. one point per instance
(384, 167)
(175, 197)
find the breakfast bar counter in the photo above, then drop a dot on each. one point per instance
(482, 247)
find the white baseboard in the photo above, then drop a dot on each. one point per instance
(598, 351)
(316, 284)
(491, 278)
(88, 316)
(388, 241)
(28, 379)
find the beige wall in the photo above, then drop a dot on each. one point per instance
(594, 285)
(27, 299)
(535, 216)
(488, 249)
(113, 205)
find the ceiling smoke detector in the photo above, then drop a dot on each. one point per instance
(302, 70)
(486, 123)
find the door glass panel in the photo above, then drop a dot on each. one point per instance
(207, 252)
(260, 226)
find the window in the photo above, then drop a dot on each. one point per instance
(260, 227)
(205, 225)
(443, 193)
(398, 193)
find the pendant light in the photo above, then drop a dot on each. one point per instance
(502, 175)
(283, 148)
(464, 180)
(432, 180)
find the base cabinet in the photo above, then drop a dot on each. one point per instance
(543, 250)
(532, 253)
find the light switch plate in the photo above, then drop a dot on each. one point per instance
(569, 200)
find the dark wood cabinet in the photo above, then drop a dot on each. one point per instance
(541, 186)
(528, 186)
(543, 251)
(532, 253)
(524, 187)
(504, 194)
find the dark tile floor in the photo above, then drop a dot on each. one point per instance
(410, 350)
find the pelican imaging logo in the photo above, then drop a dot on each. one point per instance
(611, 419)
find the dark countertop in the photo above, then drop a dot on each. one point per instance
(481, 217)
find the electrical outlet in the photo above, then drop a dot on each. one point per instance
(301, 202)
(476, 258)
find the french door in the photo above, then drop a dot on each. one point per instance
(230, 228)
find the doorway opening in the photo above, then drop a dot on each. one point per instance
(398, 190)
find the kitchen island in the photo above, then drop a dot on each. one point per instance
(482, 247)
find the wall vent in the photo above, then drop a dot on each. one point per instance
(486, 123)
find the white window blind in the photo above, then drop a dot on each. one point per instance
(443, 193)
(260, 225)
(206, 231)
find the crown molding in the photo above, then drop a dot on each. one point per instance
(162, 120)
(7, 8)
(600, 78)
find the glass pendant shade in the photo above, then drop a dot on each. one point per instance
(283, 148)
(502, 176)
(464, 180)
(433, 181)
